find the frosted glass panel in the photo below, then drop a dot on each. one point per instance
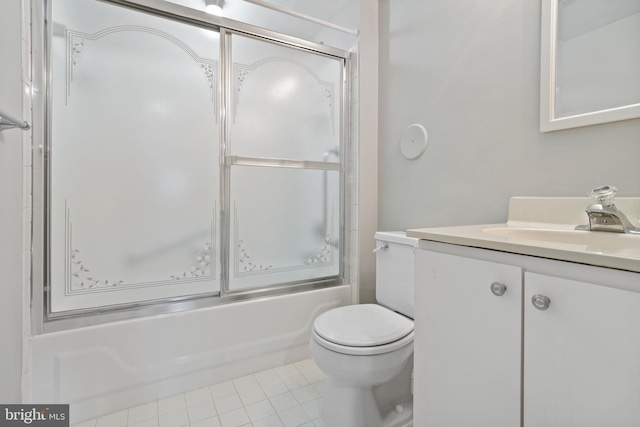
(285, 102)
(284, 226)
(133, 157)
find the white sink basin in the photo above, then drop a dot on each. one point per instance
(545, 227)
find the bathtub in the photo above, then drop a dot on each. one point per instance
(109, 367)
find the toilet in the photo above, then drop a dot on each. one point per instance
(366, 350)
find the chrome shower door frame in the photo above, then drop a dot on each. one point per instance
(43, 320)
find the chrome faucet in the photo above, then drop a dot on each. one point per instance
(604, 216)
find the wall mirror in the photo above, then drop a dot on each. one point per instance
(590, 62)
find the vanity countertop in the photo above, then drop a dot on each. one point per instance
(545, 227)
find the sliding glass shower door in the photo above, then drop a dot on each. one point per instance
(134, 167)
(285, 164)
(183, 162)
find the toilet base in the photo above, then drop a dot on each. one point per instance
(349, 407)
(357, 407)
(404, 418)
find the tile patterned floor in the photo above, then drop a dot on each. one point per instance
(288, 396)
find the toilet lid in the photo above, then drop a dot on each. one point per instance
(363, 325)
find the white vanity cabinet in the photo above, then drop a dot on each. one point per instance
(581, 355)
(488, 360)
(467, 343)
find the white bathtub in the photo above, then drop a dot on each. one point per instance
(101, 369)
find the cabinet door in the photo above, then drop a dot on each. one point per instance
(467, 343)
(582, 355)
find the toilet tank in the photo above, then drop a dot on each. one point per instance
(395, 277)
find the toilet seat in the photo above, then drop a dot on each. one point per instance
(365, 329)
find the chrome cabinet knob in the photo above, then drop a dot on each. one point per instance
(540, 302)
(498, 289)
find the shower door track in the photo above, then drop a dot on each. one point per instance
(203, 19)
(43, 320)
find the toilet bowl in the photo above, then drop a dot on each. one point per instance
(374, 348)
(362, 348)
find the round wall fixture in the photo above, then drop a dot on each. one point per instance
(414, 141)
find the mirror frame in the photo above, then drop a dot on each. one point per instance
(548, 120)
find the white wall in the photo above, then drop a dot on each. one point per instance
(468, 71)
(11, 203)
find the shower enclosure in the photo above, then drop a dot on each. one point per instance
(185, 159)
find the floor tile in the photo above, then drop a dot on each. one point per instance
(287, 396)
(319, 386)
(295, 381)
(270, 421)
(201, 411)
(143, 412)
(171, 404)
(246, 382)
(274, 388)
(115, 419)
(287, 370)
(151, 422)
(283, 402)
(312, 408)
(208, 422)
(236, 418)
(227, 403)
(310, 370)
(305, 394)
(252, 395)
(197, 396)
(177, 418)
(267, 377)
(294, 417)
(259, 410)
(222, 389)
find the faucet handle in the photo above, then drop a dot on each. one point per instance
(604, 195)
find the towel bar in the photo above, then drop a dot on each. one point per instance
(9, 122)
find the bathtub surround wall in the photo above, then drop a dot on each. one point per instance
(15, 199)
(11, 208)
(367, 131)
(469, 72)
